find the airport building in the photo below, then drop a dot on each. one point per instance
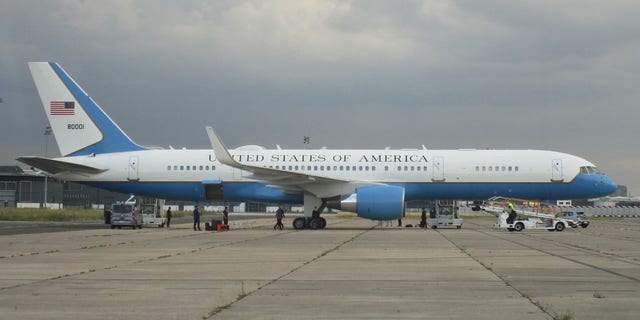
(29, 188)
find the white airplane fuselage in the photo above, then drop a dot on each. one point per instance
(426, 174)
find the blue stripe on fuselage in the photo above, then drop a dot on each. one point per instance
(583, 186)
(194, 191)
(113, 139)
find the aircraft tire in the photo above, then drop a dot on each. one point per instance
(323, 223)
(299, 223)
(518, 227)
(315, 223)
(559, 227)
(113, 227)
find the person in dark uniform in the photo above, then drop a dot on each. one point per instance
(225, 216)
(279, 217)
(168, 217)
(423, 218)
(196, 219)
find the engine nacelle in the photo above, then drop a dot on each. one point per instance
(374, 202)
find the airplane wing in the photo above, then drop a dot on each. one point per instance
(57, 166)
(286, 180)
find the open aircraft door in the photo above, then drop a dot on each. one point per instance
(556, 170)
(133, 169)
(213, 190)
(438, 169)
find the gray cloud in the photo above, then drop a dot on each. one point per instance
(500, 74)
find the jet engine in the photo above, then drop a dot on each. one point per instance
(373, 202)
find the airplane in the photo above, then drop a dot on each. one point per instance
(375, 184)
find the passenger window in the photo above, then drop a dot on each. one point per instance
(515, 168)
(386, 168)
(341, 168)
(477, 168)
(206, 168)
(373, 168)
(188, 168)
(490, 168)
(399, 168)
(296, 168)
(510, 168)
(168, 168)
(484, 168)
(504, 169)
(201, 168)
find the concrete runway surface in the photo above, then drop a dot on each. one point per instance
(354, 269)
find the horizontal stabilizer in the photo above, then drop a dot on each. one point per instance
(57, 166)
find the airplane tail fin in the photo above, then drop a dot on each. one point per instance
(78, 123)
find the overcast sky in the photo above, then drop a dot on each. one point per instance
(552, 75)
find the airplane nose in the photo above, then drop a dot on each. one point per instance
(608, 185)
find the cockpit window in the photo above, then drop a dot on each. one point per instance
(590, 170)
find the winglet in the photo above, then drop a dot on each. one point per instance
(222, 154)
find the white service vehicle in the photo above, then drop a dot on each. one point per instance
(526, 215)
(446, 215)
(575, 218)
(153, 212)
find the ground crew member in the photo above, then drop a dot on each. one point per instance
(512, 213)
(168, 217)
(423, 218)
(225, 216)
(196, 218)
(279, 217)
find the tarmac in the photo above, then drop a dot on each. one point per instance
(354, 269)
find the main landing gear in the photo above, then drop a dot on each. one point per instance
(314, 222)
(309, 223)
